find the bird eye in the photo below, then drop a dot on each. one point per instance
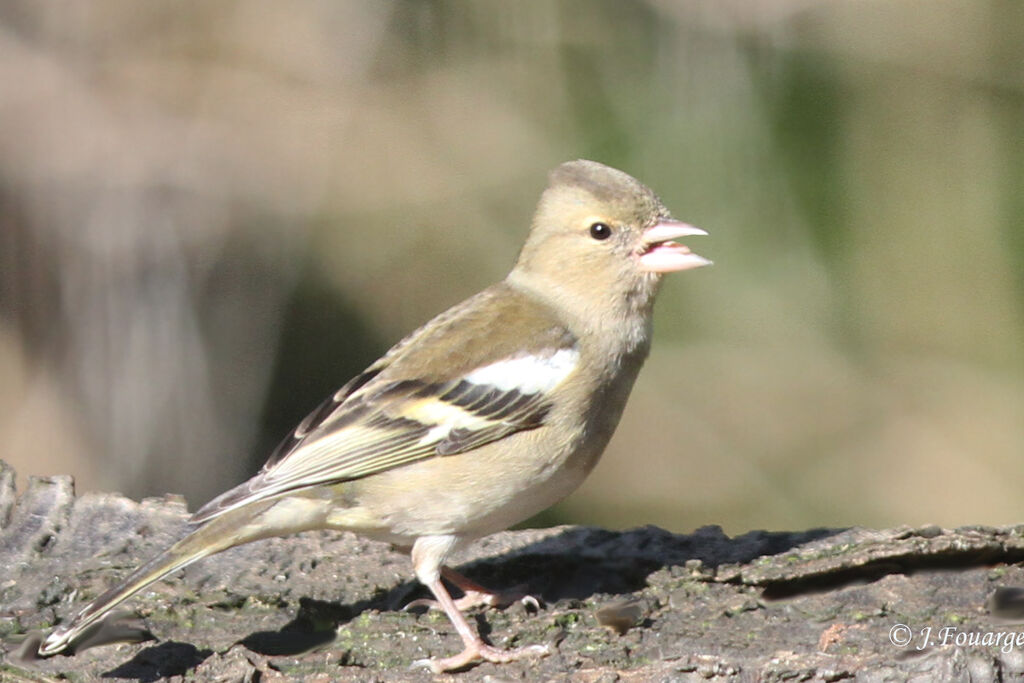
(600, 231)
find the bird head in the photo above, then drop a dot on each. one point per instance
(600, 237)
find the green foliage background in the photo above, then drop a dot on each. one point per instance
(213, 213)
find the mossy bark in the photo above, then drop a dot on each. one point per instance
(810, 605)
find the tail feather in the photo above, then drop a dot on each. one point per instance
(217, 535)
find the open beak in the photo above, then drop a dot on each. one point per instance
(659, 254)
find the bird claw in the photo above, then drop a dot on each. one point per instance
(529, 602)
(421, 602)
(480, 651)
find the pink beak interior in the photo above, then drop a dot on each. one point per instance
(661, 255)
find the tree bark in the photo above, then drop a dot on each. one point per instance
(638, 605)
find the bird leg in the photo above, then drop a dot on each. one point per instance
(475, 648)
(476, 595)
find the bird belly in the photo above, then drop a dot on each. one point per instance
(470, 494)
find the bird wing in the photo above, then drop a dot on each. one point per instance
(402, 409)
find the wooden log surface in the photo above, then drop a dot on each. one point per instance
(637, 605)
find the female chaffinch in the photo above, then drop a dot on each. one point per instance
(489, 413)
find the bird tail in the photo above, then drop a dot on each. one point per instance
(212, 537)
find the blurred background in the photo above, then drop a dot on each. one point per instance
(212, 214)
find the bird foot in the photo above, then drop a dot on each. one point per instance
(475, 652)
(484, 598)
(501, 600)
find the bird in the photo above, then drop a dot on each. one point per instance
(484, 416)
